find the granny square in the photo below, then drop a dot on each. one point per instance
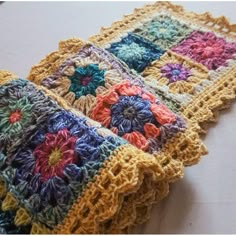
(207, 48)
(135, 51)
(163, 31)
(22, 109)
(178, 74)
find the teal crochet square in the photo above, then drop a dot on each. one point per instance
(163, 31)
(136, 51)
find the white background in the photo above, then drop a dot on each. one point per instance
(205, 200)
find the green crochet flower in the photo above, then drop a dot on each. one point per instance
(164, 31)
(14, 115)
(130, 52)
(85, 80)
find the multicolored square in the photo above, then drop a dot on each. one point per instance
(137, 116)
(174, 71)
(135, 51)
(206, 48)
(163, 31)
(19, 114)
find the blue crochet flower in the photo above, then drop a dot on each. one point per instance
(130, 114)
(86, 79)
(136, 52)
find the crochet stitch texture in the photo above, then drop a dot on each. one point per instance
(197, 63)
(74, 176)
(63, 173)
(124, 104)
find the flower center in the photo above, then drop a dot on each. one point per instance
(208, 52)
(85, 80)
(208, 49)
(162, 30)
(129, 113)
(15, 117)
(54, 157)
(175, 72)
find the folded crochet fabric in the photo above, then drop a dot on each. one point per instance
(95, 82)
(61, 172)
(189, 58)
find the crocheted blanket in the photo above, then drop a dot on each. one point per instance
(61, 172)
(189, 58)
(153, 80)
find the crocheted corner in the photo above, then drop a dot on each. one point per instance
(102, 87)
(196, 62)
(63, 173)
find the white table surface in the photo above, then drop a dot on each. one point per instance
(205, 200)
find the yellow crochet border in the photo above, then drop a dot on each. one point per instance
(204, 107)
(185, 146)
(120, 196)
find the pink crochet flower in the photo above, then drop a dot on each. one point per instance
(54, 154)
(206, 48)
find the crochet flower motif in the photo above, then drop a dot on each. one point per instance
(133, 114)
(18, 115)
(135, 51)
(130, 53)
(86, 80)
(81, 80)
(180, 75)
(14, 115)
(206, 48)
(175, 72)
(54, 154)
(57, 163)
(163, 31)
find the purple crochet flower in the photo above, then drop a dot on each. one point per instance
(175, 72)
